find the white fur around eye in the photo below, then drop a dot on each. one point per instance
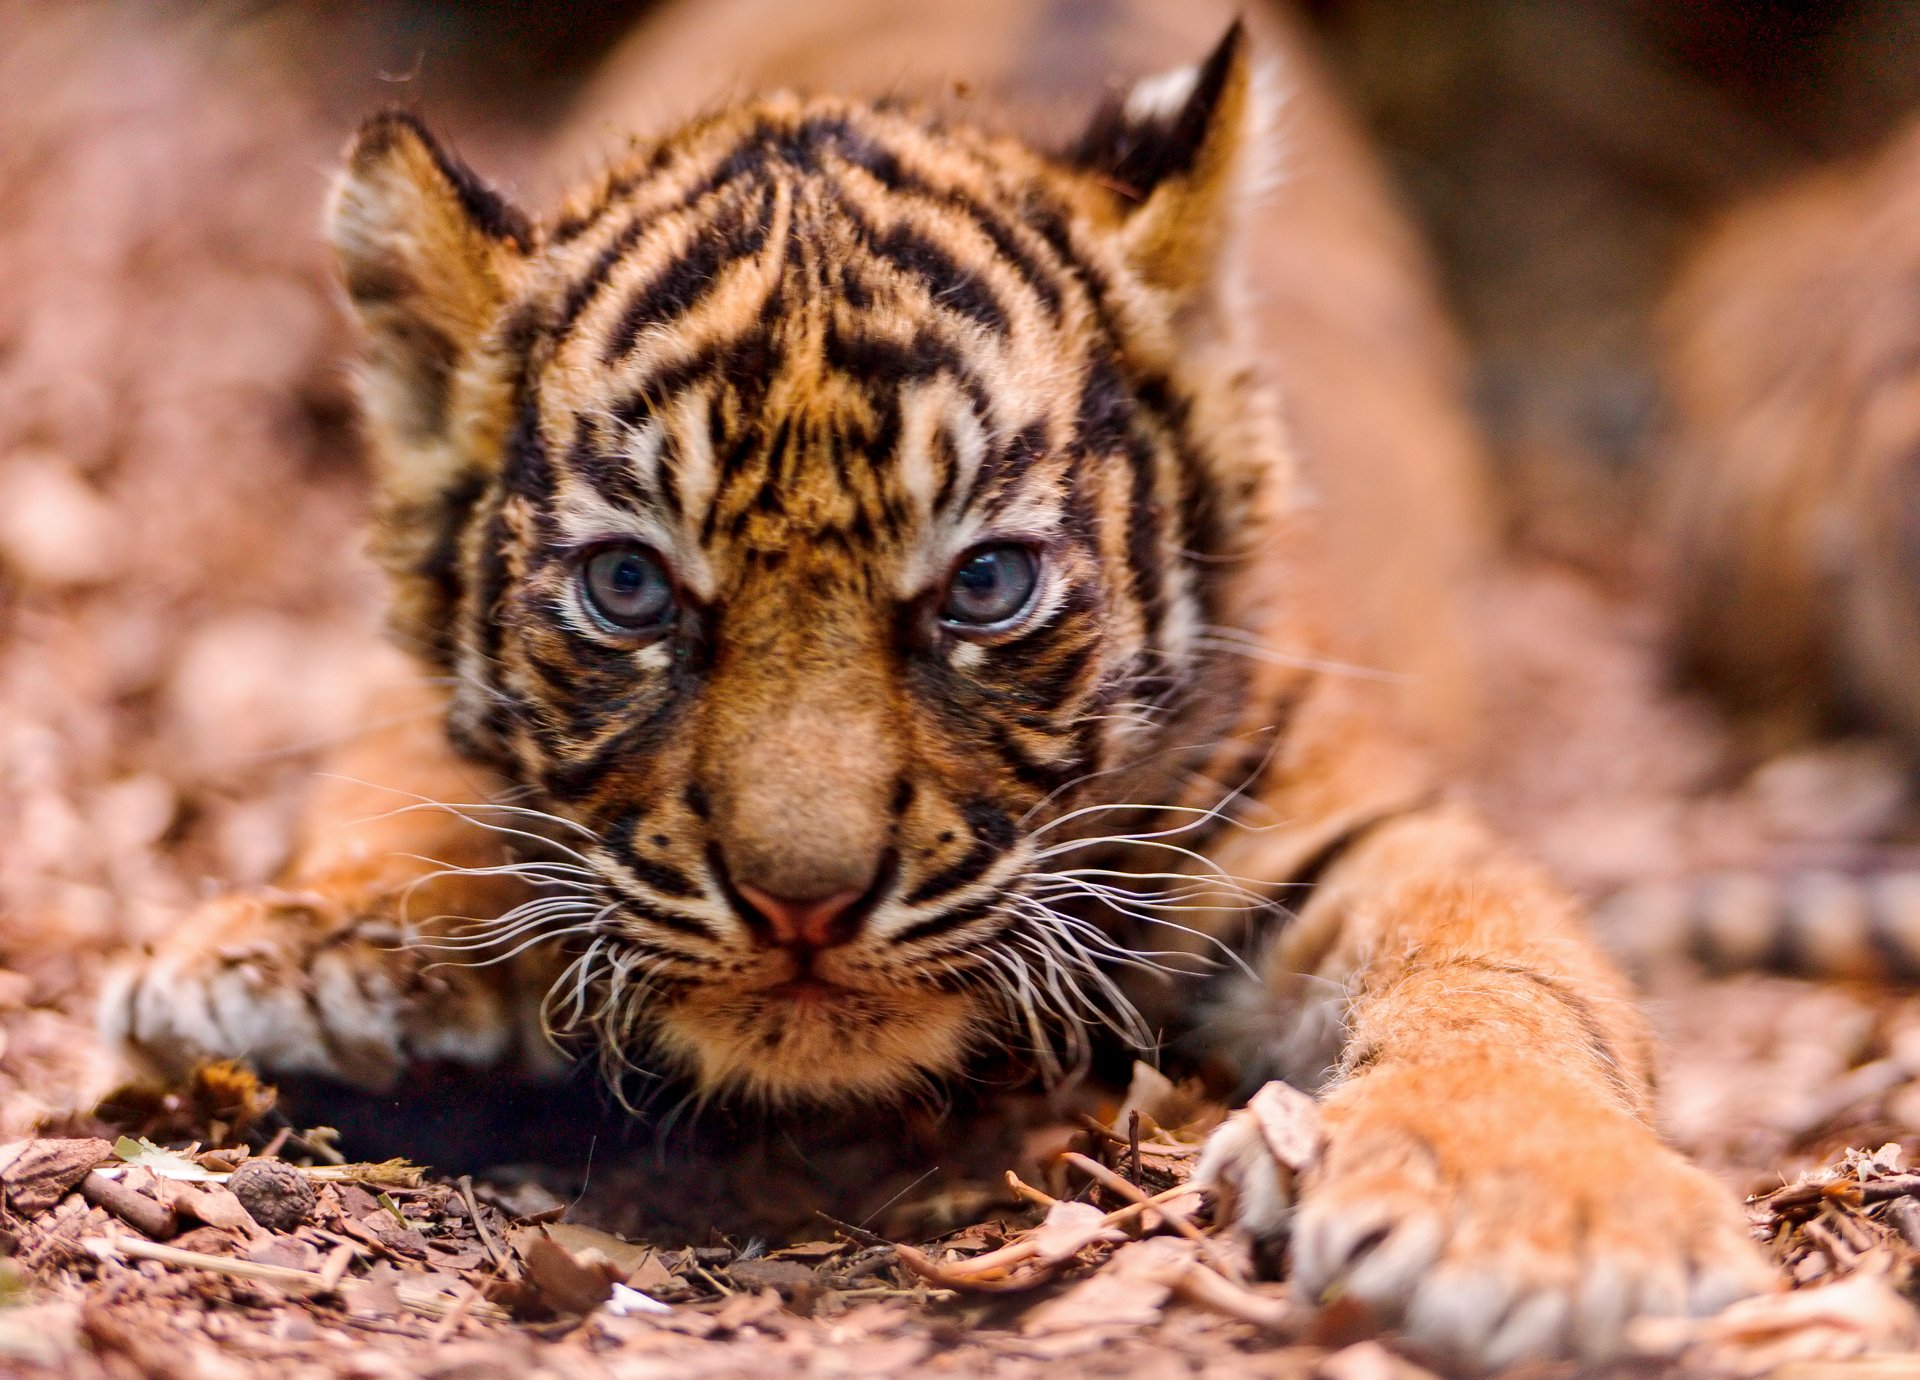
(966, 656)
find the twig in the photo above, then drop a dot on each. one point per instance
(1147, 1147)
(284, 1276)
(1838, 1251)
(1108, 1179)
(1133, 1147)
(1022, 1189)
(334, 1268)
(1202, 1286)
(456, 1315)
(860, 1234)
(951, 1277)
(153, 1219)
(1119, 1216)
(487, 1243)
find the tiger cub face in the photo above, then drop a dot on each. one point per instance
(827, 504)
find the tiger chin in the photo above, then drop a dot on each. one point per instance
(866, 615)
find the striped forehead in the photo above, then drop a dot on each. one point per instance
(814, 317)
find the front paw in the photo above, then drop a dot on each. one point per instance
(1491, 1219)
(294, 982)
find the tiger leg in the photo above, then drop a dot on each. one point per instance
(1491, 1182)
(334, 970)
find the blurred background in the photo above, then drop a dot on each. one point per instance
(184, 610)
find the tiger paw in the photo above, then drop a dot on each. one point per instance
(298, 982)
(1532, 1219)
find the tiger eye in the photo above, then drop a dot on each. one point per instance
(991, 586)
(627, 587)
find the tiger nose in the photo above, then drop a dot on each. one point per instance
(815, 923)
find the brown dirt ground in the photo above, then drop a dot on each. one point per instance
(183, 618)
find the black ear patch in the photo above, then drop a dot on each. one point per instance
(492, 214)
(1137, 152)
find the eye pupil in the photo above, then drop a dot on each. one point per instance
(991, 585)
(628, 588)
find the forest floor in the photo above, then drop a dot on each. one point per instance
(185, 621)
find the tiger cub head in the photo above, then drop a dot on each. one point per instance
(820, 514)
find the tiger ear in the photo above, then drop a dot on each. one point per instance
(429, 254)
(1177, 148)
(430, 257)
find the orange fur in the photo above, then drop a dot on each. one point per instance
(805, 354)
(1793, 494)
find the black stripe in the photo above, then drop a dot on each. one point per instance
(993, 834)
(678, 287)
(947, 283)
(587, 287)
(663, 878)
(946, 920)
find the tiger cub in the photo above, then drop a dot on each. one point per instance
(1793, 485)
(876, 613)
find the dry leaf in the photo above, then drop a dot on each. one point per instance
(1369, 1361)
(569, 1282)
(1289, 1122)
(1131, 1291)
(45, 1171)
(1070, 1228)
(213, 1204)
(163, 1163)
(787, 1278)
(630, 1256)
(1757, 1336)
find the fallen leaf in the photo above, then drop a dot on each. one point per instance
(1289, 1122)
(212, 1204)
(630, 1256)
(787, 1278)
(46, 1170)
(569, 1282)
(1369, 1361)
(1069, 1228)
(1757, 1336)
(163, 1163)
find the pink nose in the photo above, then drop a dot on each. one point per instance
(810, 924)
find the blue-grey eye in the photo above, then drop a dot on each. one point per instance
(992, 585)
(627, 587)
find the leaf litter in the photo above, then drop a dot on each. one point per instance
(172, 370)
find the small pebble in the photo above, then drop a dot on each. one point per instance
(274, 1193)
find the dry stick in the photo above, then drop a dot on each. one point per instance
(450, 1324)
(1856, 1236)
(928, 1268)
(1838, 1251)
(283, 1275)
(974, 1273)
(1201, 1285)
(487, 1243)
(334, 1268)
(154, 1219)
(1133, 1147)
(1893, 1186)
(1027, 1191)
(277, 1144)
(1149, 1147)
(1108, 1179)
(1118, 1217)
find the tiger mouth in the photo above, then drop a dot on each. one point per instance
(805, 989)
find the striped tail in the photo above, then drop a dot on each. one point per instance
(1817, 924)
